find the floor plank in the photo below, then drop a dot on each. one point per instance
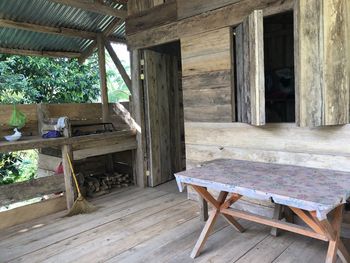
(149, 225)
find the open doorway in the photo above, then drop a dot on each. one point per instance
(164, 118)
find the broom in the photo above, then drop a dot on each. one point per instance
(80, 206)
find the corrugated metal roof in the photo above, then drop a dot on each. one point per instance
(47, 13)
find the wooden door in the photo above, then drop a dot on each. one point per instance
(160, 80)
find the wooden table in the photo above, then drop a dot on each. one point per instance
(312, 194)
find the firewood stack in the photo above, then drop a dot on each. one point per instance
(99, 184)
(117, 180)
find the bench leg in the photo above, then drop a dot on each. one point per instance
(203, 205)
(277, 214)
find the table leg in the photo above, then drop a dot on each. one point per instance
(203, 205)
(277, 214)
(332, 230)
(204, 234)
(216, 203)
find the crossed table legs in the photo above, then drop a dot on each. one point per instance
(326, 230)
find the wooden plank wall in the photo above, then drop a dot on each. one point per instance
(166, 13)
(207, 76)
(226, 16)
(89, 112)
(137, 6)
(195, 7)
(283, 143)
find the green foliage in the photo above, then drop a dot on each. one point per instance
(18, 166)
(48, 80)
(117, 89)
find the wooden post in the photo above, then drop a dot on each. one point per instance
(138, 116)
(68, 181)
(103, 77)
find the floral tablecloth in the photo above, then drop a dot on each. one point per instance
(310, 189)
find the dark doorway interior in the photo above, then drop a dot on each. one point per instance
(279, 68)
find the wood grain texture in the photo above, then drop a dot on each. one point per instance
(153, 17)
(164, 233)
(256, 67)
(230, 15)
(207, 76)
(196, 7)
(250, 70)
(156, 66)
(322, 85)
(137, 102)
(103, 77)
(137, 6)
(27, 213)
(209, 80)
(335, 75)
(199, 56)
(275, 143)
(34, 188)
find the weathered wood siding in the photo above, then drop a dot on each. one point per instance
(226, 16)
(166, 13)
(195, 7)
(276, 143)
(321, 40)
(206, 59)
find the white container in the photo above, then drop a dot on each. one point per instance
(14, 137)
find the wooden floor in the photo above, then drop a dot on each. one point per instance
(148, 225)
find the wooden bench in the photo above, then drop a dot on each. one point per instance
(312, 194)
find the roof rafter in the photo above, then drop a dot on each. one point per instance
(25, 52)
(62, 31)
(47, 29)
(94, 6)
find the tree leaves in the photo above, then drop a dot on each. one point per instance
(48, 80)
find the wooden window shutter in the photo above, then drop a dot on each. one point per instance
(250, 70)
(322, 62)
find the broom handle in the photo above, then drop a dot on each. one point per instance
(74, 177)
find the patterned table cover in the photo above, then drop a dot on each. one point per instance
(309, 189)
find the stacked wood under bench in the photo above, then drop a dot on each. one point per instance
(325, 230)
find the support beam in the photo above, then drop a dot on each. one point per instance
(62, 31)
(106, 33)
(103, 77)
(24, 52)
(139, 163)
(93, 6)
(118, 64)
(68, 181)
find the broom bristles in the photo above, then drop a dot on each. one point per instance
(81, 206)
